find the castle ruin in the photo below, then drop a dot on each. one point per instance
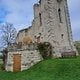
(51, 23)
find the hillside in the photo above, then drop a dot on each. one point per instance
(52, 69)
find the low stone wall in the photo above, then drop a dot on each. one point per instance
(28, 59)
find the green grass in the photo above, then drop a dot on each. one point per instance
(51, 69)
(0, 61)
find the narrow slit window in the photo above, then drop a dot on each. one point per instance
(59, 12)
(62, 35)
(40, 19)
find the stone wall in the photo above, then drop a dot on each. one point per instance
(28, 59)
(55, 25)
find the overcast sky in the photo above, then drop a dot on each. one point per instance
(20, 13)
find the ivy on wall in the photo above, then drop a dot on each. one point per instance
(45, 50)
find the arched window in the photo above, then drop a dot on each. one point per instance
(59, 13)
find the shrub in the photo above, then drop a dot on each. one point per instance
(77, 45)
(45, 50)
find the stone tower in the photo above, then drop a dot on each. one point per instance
(54, 24)
(51, 23)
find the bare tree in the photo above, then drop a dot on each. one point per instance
(8, 34)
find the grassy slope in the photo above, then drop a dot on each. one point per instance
(0, 61)
(52, 69)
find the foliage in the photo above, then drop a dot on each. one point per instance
(4, 57)
(77, 44)
(1, 56)
(8, 34)
(51, 69)
(45, 50)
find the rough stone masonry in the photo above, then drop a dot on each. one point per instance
(51, 23)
